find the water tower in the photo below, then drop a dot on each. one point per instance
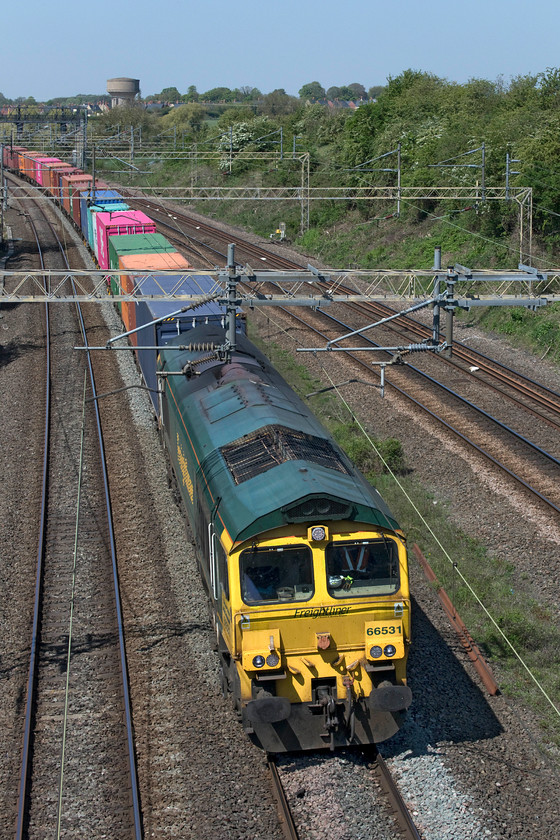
(122, 91)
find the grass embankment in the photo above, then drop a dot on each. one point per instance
(344, 238)
(538, 332)
(527, 625)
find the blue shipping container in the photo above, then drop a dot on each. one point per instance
(160, 334)
(93, 197)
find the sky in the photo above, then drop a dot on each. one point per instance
(268, 45)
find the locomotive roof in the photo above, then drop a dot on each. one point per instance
(259, 448)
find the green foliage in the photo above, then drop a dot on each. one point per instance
(218, 94)
(191, 95)
(549, 88)
(312, 91)
(186, 118)
(524, 629)
(234, 115)
(168, 94)
(538, 331)
(277, 103)
(128, 115)
(387, 455)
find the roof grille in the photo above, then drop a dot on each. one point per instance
(252, 455)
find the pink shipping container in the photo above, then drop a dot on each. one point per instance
(119, 224)
(40, 168)
(26, 163)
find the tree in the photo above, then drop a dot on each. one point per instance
(191, 95)
(278, 102)
(312, 91)
(248, 94)
(333, 93)
(168, 94)
(188, 117)
(219, 94)
(521, 91)
(374, 91)
(232, 116)
(549, 88)
(346, 93)
(358, 90)
(128, 115)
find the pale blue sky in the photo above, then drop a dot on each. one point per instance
(67, 48)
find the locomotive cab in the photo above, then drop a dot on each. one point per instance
(316, 635)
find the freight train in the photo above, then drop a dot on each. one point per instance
(304, 564)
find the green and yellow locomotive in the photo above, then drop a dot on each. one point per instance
(305, 566)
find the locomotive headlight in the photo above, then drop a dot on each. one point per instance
(389, 650)
(258, 661)
(375, 652)
(272, 659)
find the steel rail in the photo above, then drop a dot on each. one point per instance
(507, 376)
(35, 631)
(286, 818)
(22, 795)
(138, 830)
(440, 420)
(525, 389)
(473, 357)
(402, 814)
(461, 399)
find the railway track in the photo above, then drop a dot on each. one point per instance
(527, 394)
(375, 781)
(529, 466)
(78, 767)
(472, 366)
(185, 230)
(524, 462)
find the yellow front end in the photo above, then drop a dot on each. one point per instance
(321, 660)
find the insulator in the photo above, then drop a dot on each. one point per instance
(201, 347)
(191, 366)
(202, 302)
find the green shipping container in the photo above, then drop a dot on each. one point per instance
(137, 243)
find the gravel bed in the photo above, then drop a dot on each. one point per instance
(336, 795)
